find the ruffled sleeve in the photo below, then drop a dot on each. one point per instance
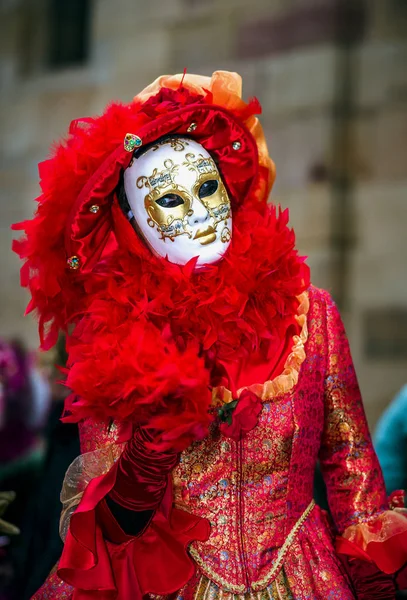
(382, 540)
(355, 485)
(154, 562)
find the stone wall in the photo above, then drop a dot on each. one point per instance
(333, 86)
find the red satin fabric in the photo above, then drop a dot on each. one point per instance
(389, 555)
(239, 374)
(155, 562)
(89, 232)
(142, 474)
(244, 417)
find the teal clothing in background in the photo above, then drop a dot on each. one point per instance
(390, 442)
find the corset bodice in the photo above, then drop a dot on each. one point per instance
(241, 487)
(255, 490)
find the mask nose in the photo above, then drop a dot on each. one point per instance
(200, 215)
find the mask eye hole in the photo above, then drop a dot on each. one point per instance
(170, 201)
(208, 188)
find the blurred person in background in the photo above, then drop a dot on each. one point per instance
(25, 398)
(24, 404)
(391, 442)
(195, 480)
(7, 529)
(41, 542)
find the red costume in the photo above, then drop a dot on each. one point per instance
(243, 367)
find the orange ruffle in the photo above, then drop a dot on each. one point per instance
(382, 541)
(226, 88)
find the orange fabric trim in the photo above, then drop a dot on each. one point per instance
(383, 539)
(226, 88)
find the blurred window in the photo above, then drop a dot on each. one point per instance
(68, 31)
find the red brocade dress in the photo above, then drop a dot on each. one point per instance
(239, 520)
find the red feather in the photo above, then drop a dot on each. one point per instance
(147, 335)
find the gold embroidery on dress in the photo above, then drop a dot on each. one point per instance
(277, 565)
(208, 590)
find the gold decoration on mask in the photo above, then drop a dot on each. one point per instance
(170, 222)
(202, 165)
(225, 235)
(177, 144)
(218, 203)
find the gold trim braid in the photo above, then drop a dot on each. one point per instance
(262, 583)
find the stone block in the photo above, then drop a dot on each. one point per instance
(248, 10)
(10, 35)
(13, 299)
(385, 333)
(19, 123)
(298, 81)
(381, 215)
(320, 263)
(300, 148)
(309, 215)
(380, 144)
(391, 156)
(378, 281)
(364, 143)
(38, 114)
(119, 18)
(18, 190)
(388, 20)
(301, 25)
(379, 379)
(58, 108)
(378, 275)
(381, 74)
(202, 42)
(148, 51)
(379, 382)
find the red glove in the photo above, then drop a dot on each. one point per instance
(368, 581)
(141, 481)
(142, 474)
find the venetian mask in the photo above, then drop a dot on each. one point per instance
(179, 203)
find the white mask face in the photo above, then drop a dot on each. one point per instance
(180, 205)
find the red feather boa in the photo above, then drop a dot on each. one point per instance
(153, 333)
(149, 336)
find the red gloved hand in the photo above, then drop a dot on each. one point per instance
(142, 473)
(369, 582)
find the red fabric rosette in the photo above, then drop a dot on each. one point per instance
(240, 416)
